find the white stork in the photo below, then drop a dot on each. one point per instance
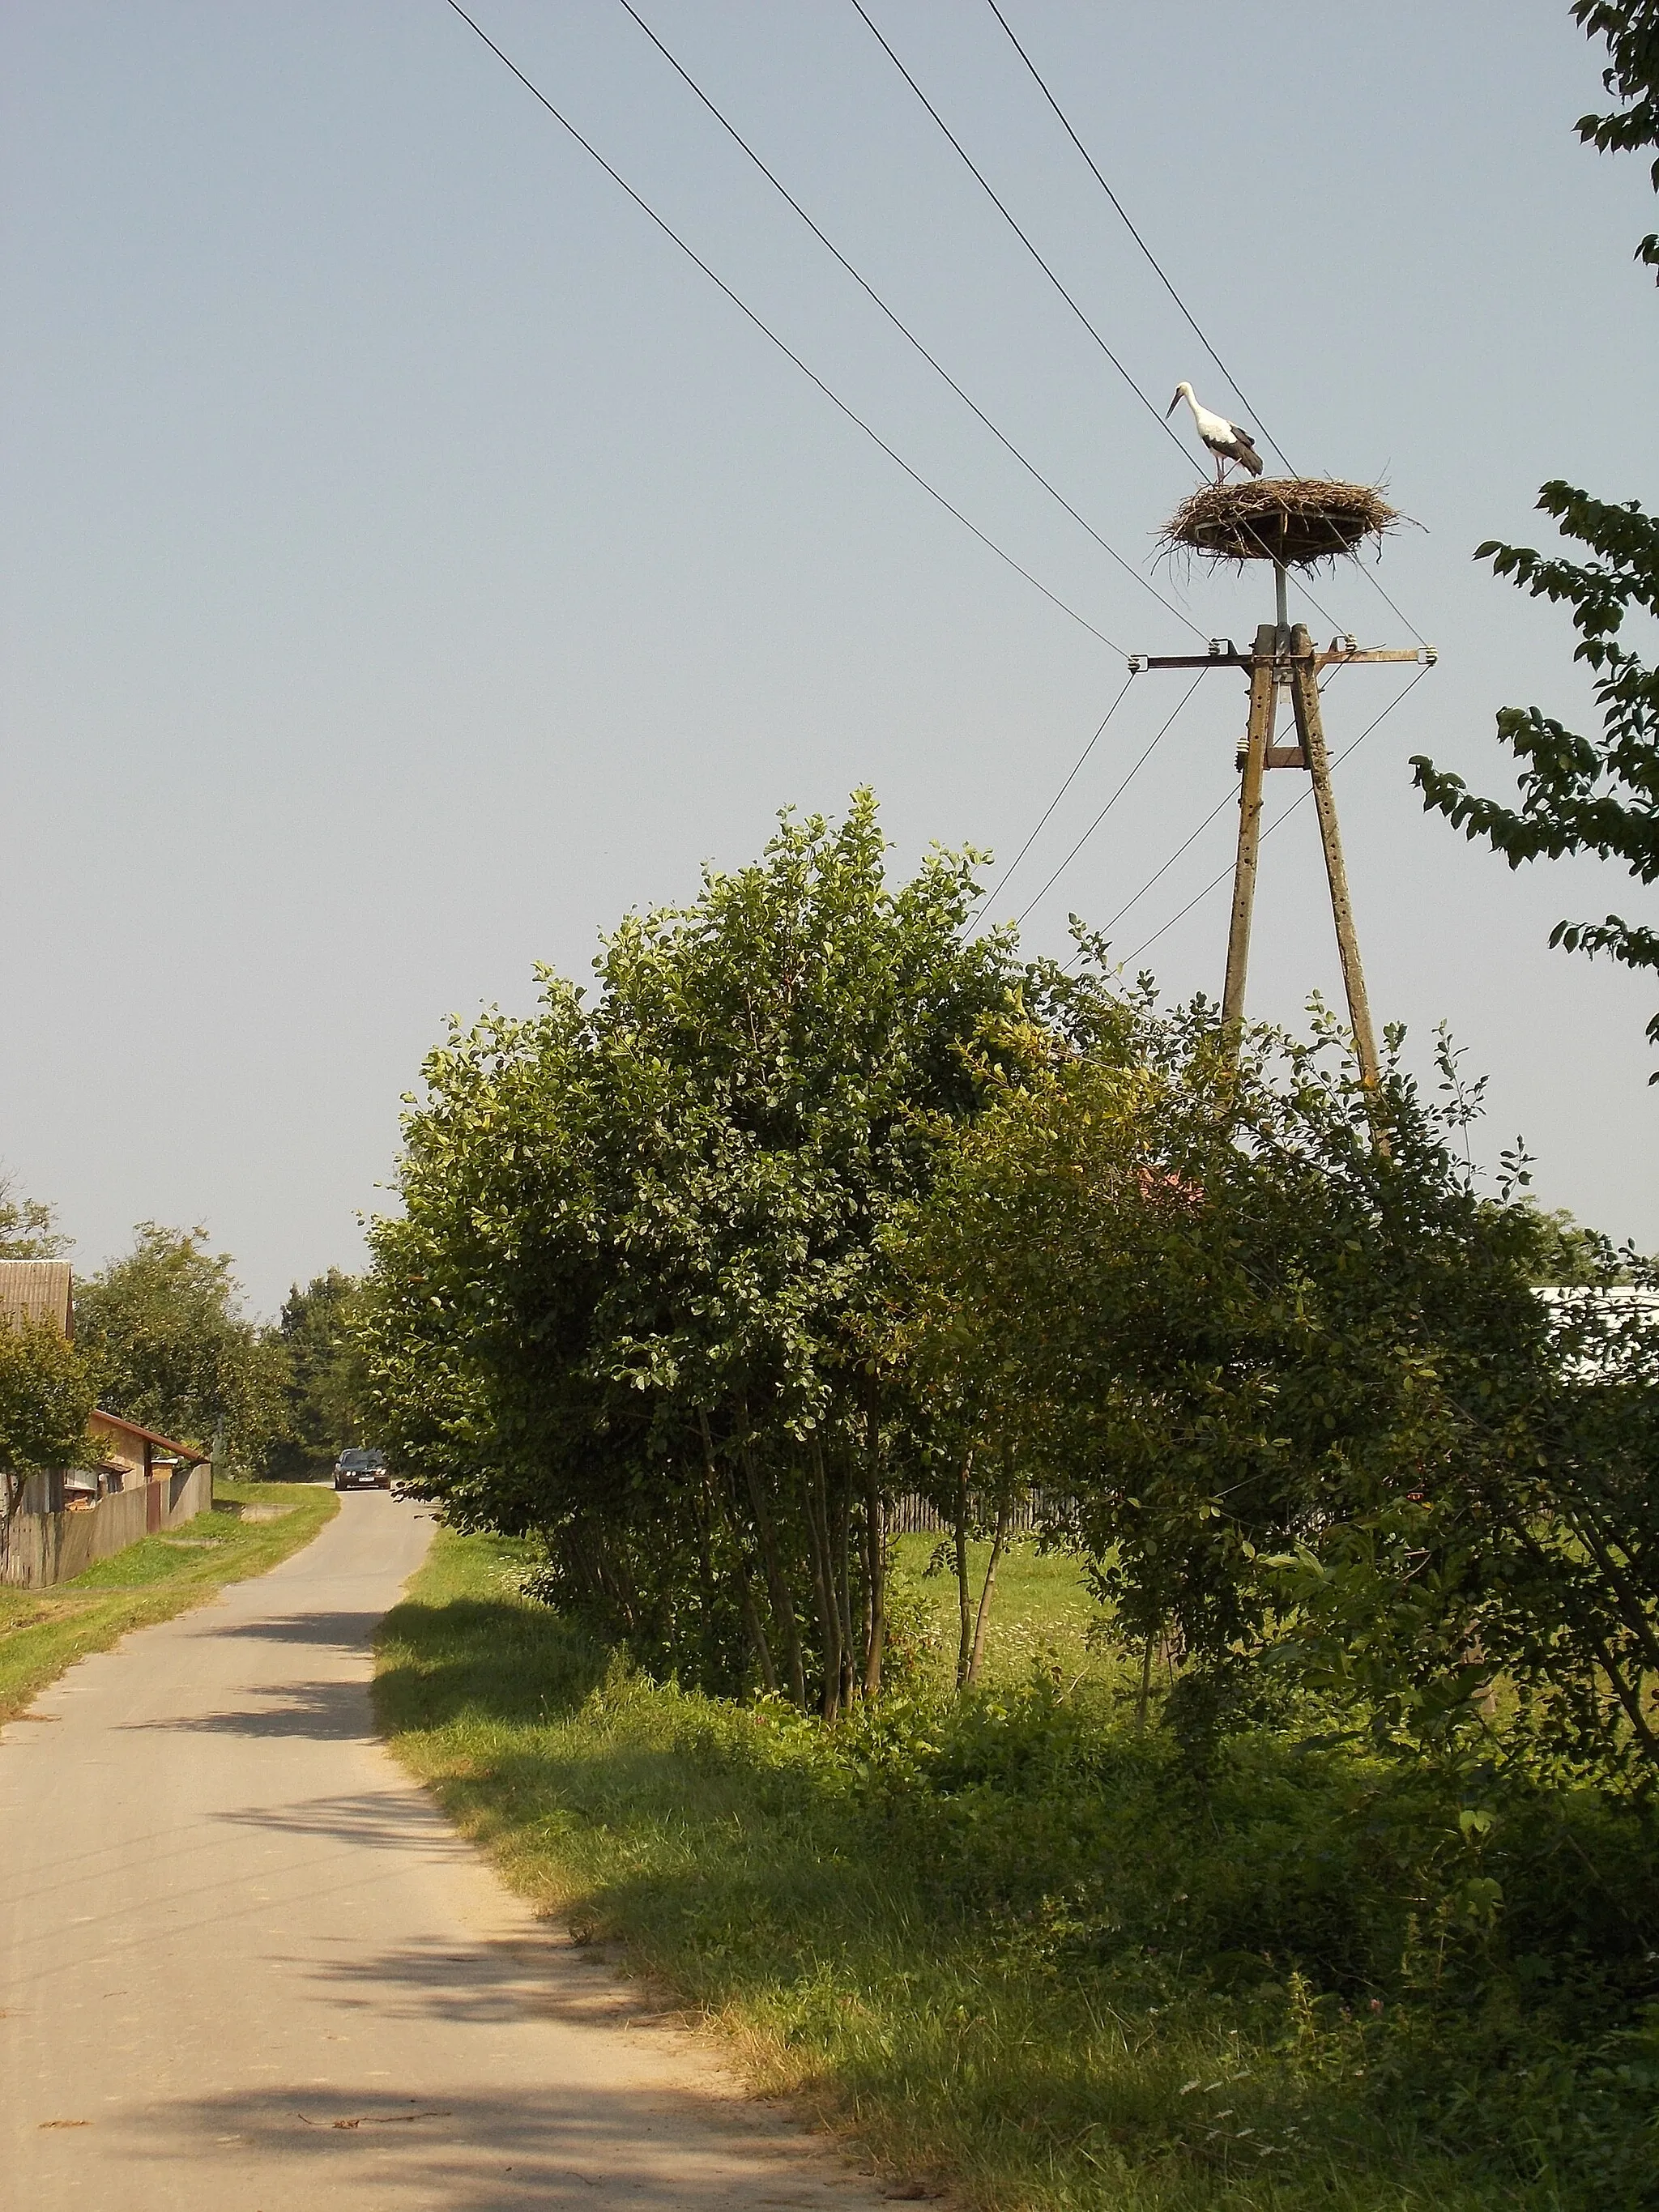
(1227, 441)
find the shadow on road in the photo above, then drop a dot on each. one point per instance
(332, 1631)
(569, 2144)
(537, 1975)
(324, 1712)
(400, 1820)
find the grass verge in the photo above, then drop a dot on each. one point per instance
(251, 1527)
(1008, 1942)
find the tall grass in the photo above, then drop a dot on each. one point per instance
(1010, 1941)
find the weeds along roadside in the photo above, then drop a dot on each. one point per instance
(1011, 1942)
(43, 1631)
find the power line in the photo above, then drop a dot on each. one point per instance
(1217, 880)
(1026, 241)
(1228, 798)
(1076, 764)
(767, 332)
(1012, 221)
(1066, 786)
(1109, 804)
(1169, 286)
(1066, 126)
(901, 327)
(1376, 584)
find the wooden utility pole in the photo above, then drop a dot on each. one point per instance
(1286, 657)
(1264, 694)
(1310, 730)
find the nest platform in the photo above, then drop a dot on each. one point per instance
(1295, 521)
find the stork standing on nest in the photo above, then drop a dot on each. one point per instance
(1227, 441)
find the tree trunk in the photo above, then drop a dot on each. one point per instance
(964, 1598)
(875, 1537)
(747, 1606)
(818, 1531)
(844, 1575)
(756, 1634)
(1143, 1701)
(867, 1608)
(983, 1620)
(705, 1510)
(783, 1610)
(619, 1583)
(1628, 1693)
(12, 1486)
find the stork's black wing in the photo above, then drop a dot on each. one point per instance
(1246, 452)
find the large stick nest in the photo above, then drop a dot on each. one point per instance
(1298, 520)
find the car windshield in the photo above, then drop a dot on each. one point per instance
(359, 1462)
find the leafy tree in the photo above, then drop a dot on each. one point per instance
(324, 1378)
(27, 1229)
(1631, 29)
(1568, 1253)
(163, 1331)
(633, 1299)
(1313, 1423)
(45, 1398)
(1580, 794)
(815, 1201)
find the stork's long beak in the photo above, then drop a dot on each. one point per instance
(1170, 409)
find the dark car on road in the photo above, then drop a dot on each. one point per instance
(361, 1469)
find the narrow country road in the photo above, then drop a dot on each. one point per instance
(246, 1967)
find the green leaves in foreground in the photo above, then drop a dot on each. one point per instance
(1008, 1939)
(635, 1299)
(1315, 1429)
(1582, 794)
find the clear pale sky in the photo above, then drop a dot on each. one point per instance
(411, 563)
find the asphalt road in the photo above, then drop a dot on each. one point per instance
(246, 1965)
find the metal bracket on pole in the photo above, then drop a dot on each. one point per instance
(1425, 656)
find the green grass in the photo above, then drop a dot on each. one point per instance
(43, 1631)
(1006, 1942)
(1041, 1614)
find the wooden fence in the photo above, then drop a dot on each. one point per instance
(42, 1548)
(912, 1515)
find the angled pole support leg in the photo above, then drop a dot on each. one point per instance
(1257, 739)
(1310, 730)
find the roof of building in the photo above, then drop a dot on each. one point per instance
(37, 1289)
(131, 1430)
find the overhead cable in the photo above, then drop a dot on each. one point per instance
(898, 324)
(1014, 224)
(767, 332)
(1229, 798)
(1031, 247)
(1110, 803)
(1123, 213)
(1071, 774)
(1375, 581)
(1191, 320)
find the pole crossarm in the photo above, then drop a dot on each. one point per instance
(1223, 653)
